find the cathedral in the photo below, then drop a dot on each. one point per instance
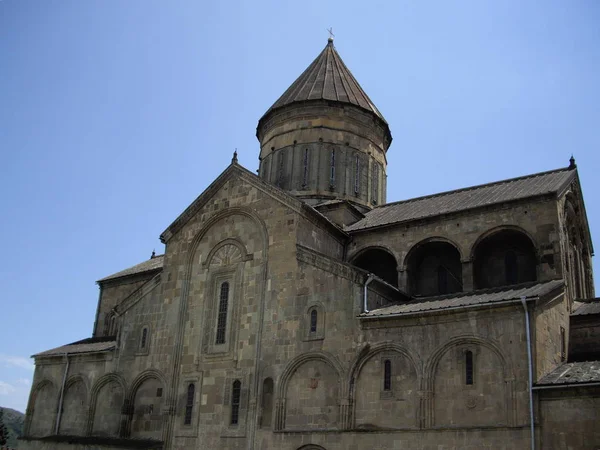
(297, 309)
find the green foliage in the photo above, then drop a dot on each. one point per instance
(11, 421)
(3, 430)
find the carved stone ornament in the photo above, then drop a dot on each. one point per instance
(226, 255)
(471, 401)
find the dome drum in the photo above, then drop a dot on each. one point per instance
(324, 139)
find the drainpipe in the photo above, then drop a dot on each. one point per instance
(62, 393)
(530, 366)
(370, 278)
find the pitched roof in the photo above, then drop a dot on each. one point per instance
(466, 299)
(468, 198)
(327, 78)
(235, 169)
(572, 373)
(89, 345)
(587, 308)
(150, 265)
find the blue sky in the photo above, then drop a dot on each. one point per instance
(115, 115)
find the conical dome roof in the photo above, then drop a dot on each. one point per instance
(327, 78)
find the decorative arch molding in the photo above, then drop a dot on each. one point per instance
(39, 386)
(96, 388)
(145, 375)
(432, 363)
(286, 376)
(35, 390)
(429, 240)
(228, 251)
(366, 354)
(72, 381)
(492, 231)
(105, 379)
(299, 360)
(173, 386)
(246, 212)
(76, 378)
(361, 250)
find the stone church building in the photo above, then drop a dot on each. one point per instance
(297, 309)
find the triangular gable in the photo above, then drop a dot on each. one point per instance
(575, 187)
(235, 170)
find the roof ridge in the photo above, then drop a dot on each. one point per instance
(477, 186)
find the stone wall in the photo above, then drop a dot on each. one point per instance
(112, 292)
(549, 348)
(273, 380)
(584, 337)
(569, 419)
(536, 219)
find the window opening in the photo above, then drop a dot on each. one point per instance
(222, 317)
(375, 183)
(313, 321)
(281, 163)
(563, 344)
(356, 175)
(387, 375)
(159, 392)
(332, 169)
(235, 402)
(144, 337)
(305, 172)
(189, 404)
(510, 267)
(469, 367)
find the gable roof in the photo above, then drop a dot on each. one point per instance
(538, 184)
(327, 78)
(151, 265)
(89, 345)
(275, 192)
(467, 299)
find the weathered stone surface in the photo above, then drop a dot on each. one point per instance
(253, 332)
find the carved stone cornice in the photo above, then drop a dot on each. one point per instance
(323, 262)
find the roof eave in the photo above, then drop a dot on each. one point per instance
(452, 309)
(447, 214)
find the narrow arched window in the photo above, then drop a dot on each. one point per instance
(222, 314)
(189, 404)
(281, 168)
(236, 392)
(510, 267)
(313, 321)
(332, 169)
(144, 338)
(442, 276)
(305, 170)
(356, 175)
(387, 375)
(112, 329)
(375, 183)
(469, 367)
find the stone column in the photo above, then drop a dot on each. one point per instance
(403, 279)
(468, 283)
